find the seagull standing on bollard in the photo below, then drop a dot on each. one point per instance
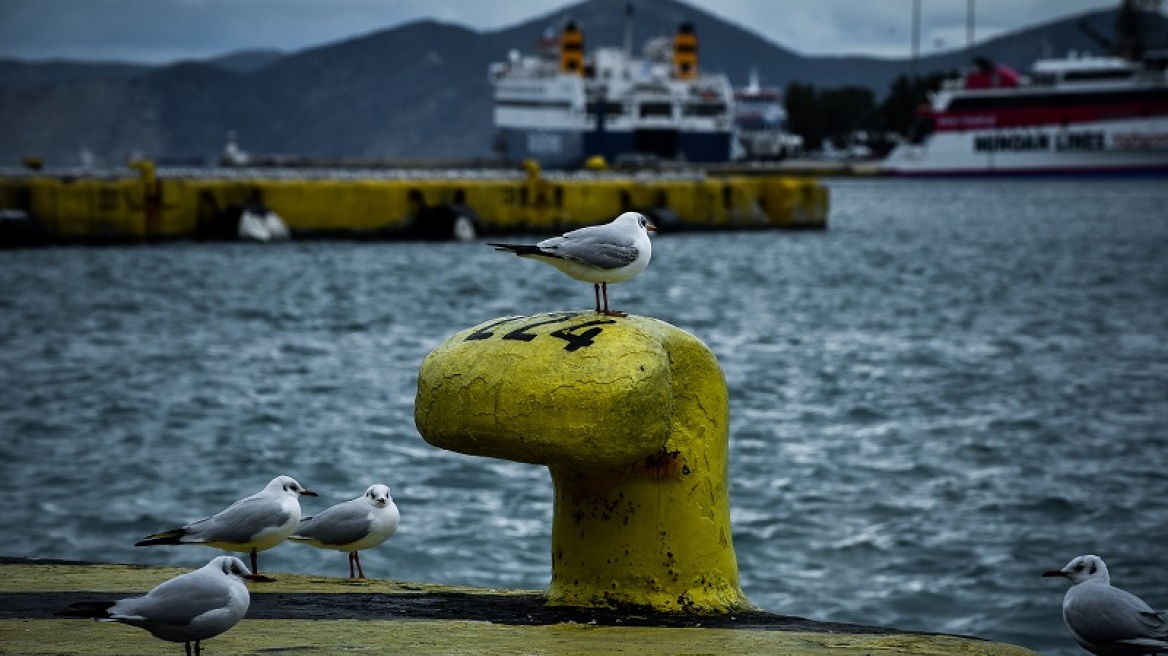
(251, 525)
(187, 609)
(1105, 620)
(361, 523)
(613, 252)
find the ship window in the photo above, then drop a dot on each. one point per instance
(1098, 75)
(1021, 101)
(656, 109)
(610, 108)
(529, 104)
(705, 109)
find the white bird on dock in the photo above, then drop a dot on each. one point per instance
(613, 252)
(188, 608)
(361, 523)
(1106, 620)
(251, 525)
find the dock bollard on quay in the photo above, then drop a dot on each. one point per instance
(631, 417)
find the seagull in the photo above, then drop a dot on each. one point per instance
(1105, 620)
(188, 608)
(614, 252)
(250, 525)
(361, 523)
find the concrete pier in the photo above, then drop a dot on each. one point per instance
(317, 615)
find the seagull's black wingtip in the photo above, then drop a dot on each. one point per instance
(518, 249)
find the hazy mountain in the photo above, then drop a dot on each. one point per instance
(16, 74)
(418, 91)
(246, 61)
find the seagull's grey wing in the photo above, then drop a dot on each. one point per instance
(1102, 615)
(602, 256)
(602, 234)
(176, 602)
(241, 521)
(603, 247)
(340, 525)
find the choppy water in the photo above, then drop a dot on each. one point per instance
(957, 386)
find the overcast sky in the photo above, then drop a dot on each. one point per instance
(160, 31)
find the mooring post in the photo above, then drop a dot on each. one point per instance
(630, 415)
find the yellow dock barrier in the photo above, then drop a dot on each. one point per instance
(153, 206)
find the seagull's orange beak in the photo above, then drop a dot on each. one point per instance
(1054, 572)
(650, 227)
(308, 493)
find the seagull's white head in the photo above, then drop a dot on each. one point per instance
(230, 566)
(1082, 569)
(636, 219)
(288, 485)
(378, 496)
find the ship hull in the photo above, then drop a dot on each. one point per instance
(568, 149)
(552, 148)
(1098, 147)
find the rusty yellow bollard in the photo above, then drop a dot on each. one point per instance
(630, 415)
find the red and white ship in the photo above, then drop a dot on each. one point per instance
(1075, 115)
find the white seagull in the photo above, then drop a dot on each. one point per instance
(251, 525)
(1105, 620)
(614, 252)
(188, 608)
(361, 523)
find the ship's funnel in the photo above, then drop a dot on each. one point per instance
(571, 49)
(685, 53)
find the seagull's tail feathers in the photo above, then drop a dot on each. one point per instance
(98, 610)
(520, 249)
(1158, 644)
(173, 536)
(304, 533)
(297, 537)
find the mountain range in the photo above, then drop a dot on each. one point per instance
(418, 91)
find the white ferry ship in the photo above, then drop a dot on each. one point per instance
(560, 106)
(760, 123)
(1075, 115)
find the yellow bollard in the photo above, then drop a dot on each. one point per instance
(631, 417)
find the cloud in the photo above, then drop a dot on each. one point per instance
(155, 31)
(158, 31)
(884, 27)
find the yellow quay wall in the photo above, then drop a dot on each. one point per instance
(144, 206)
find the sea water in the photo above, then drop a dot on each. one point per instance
(955, 387)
